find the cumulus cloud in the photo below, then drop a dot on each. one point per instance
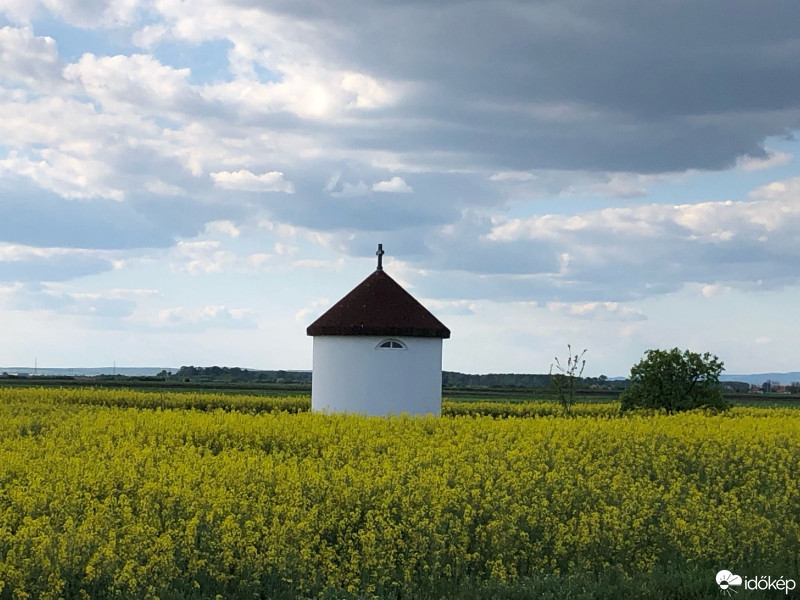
(784, 192)
(396, 185)
(63, 173)
(770, 161)
(602, 257)
(208, 257)
(81, 13)
(310, 90)
(705, 242)
(597, 310)
(246, 181)
(200, 257)
(368, 92)
(121, 82)
(19, 11)
(711, 290)
(223, 227)
(704, 224)
(29, 59)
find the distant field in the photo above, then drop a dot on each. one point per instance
(121, 493)
(455, 394)
(150, 384)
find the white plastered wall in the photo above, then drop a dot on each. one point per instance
(351, 374)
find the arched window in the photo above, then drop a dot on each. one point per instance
(391, 345)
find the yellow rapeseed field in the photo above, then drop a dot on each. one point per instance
(101, 500)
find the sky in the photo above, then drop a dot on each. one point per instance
(194, 182)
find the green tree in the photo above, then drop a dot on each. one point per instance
(675, 381)
(563, 383)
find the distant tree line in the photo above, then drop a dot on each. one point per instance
(449, 378)
(520, 380)
(454, 379)
(234, 375)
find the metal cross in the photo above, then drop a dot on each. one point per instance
(380, 253)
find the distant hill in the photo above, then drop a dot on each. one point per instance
(759, 378)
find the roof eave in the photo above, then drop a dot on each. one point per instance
(378, 331)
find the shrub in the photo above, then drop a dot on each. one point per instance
(675, 381)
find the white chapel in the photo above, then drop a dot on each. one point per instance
(377, 351)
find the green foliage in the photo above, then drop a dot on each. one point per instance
(675, 381)
(495, 380)
(234, 375)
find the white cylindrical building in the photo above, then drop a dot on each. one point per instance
(377, 351)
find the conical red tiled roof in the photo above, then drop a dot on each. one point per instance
(379, 306)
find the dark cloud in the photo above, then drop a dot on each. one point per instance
(653, 88)
(340, 197)
(31, 216)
